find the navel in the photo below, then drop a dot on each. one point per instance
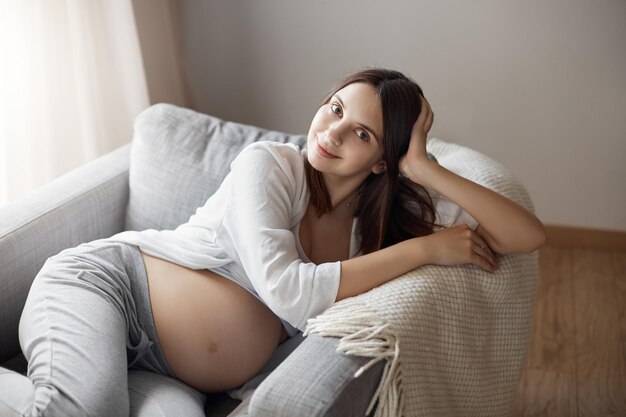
(211, 347)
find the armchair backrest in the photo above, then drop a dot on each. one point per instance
(179, 158)
(481, 169)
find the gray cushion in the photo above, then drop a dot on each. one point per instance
(317, 381)
(179, 158)
(155, 395)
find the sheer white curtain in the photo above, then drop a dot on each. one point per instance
(71, 82)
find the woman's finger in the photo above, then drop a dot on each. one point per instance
(482, 249)
(422, 118)
(429, 122)
(483, 263)
(428, 114)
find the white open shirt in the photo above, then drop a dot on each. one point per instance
(248, 231)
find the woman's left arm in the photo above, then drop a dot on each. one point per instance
(503, 224)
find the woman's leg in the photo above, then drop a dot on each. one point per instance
(73, 332)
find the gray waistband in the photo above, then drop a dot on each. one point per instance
(140, 292)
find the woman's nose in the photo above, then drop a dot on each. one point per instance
(333, 134)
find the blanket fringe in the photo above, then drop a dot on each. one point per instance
(364, 333)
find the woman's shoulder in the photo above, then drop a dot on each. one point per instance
(267, 155)
(271, 168)
(276, 149)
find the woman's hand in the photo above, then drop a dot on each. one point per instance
(416, 158)
(460, 245)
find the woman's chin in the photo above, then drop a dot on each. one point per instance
(313, 158)
(314, 162)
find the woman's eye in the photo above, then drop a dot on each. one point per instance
(363, 135)
(335, 109)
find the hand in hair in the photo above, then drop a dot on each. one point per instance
(416, 157)
(505, 225)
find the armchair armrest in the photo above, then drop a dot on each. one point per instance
(85, 204)
(316, 380)
(454, 338)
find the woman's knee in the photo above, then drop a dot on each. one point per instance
(57, 267)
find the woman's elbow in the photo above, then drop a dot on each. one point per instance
(539, 235)
(530, 242)
(535, 240)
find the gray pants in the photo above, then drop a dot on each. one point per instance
(86, 321)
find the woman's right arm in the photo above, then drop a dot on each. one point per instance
(362, 273)
(450, 246)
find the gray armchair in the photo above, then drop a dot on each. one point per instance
(173, 149)
(177, 159)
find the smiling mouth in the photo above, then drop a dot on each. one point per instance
(323, 152)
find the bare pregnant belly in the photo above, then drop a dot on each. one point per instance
(214, 334)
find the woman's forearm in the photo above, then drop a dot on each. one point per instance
(365, 272)
(511, 226)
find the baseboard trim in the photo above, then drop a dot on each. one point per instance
(582, 237)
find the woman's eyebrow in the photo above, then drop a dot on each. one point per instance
(362, 124)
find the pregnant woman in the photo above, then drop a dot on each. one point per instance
(288, 233)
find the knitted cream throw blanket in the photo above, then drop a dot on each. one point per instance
(454, 338)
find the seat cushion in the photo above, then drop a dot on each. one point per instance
(179, 158)
(155, 395)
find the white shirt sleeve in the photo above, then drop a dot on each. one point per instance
(450, 214)
(256, 233)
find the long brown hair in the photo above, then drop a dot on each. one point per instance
(390, 207)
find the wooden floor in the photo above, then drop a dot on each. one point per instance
(577, 357)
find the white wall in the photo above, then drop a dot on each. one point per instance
(538, 85)
(160, 38)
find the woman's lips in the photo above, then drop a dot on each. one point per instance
(322, 152)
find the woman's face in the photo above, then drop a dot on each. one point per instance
(345, 138)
